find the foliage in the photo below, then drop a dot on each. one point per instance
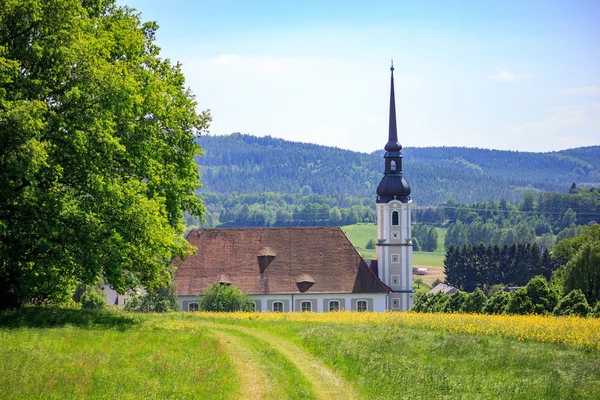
(595, 311)
(160, 300)
(370, 244)
(96, 152)
(248, 164)
(228, 298)
(583, 272)
(581, 254)
(456, 302)
(474, 302)
(427, 237)
(92, 300)
(473, 266)
(497, 303)
(535, 298)
(573, 303)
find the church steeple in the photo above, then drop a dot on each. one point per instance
(393, 186)
(392, 144)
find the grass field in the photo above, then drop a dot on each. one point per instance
(67, 354)
(360, 234)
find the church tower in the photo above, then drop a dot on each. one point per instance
(394, 245)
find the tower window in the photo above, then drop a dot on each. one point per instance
(395, 280)
(395, 258)
(396, 303)
(393, 165)
(394, 217)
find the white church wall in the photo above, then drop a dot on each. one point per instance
(377, 302)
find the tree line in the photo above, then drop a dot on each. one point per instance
(480, 266)
(573, 271)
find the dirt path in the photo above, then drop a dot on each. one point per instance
(324, 383)
(253, 380)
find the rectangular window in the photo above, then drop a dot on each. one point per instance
(334, 305)
(193, 307)
(396, 303)
(277, 306)
(306, 306)
(395, 280)
(361, 305)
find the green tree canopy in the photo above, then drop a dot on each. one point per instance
(97, 147)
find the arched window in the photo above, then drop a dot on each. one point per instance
(334, 305)
(394, 217)
(277, 306)
(306, 306)
(193, 307)
(361, 305)
(393, 165)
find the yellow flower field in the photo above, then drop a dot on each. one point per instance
(576, 331)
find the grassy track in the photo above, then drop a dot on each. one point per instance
(49, 353)
(264, 373)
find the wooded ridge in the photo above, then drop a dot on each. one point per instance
(240, 163)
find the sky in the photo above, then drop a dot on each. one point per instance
(513, 75)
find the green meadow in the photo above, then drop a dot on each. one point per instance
(53, 353)
(360, 234)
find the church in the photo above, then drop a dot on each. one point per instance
(312, 269)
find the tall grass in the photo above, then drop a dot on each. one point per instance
(67, 354)
(70, 354)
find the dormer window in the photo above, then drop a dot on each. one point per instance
(394, 217)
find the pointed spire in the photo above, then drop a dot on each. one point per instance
(392, 144)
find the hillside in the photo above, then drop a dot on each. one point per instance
(242, 164)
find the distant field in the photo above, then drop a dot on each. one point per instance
(359, 235)
(69, 354)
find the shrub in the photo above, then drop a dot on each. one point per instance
(92, 300)
(370, 244)
(456, 301)
(416, 245)
(160, 300)
(218, 297)
(595, 311)
(535, 298)
(474, 302)
(497, 303)
(573, 303)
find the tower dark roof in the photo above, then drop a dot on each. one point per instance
(393, 186)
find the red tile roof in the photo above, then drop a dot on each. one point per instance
(294, 260)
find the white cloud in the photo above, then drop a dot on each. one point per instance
(502, 75)
(565, 127)
(585, 90)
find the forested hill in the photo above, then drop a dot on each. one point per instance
(247, 164)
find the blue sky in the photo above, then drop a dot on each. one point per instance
(518, 75)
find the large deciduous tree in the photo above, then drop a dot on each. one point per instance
(97, 146)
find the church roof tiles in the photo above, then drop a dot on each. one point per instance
(322, 258)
